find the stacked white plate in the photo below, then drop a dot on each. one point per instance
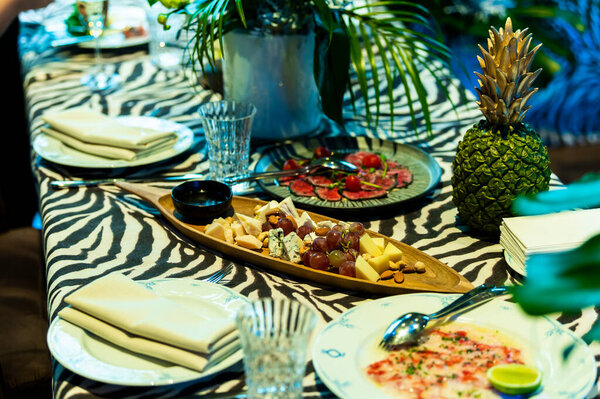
(524, 236)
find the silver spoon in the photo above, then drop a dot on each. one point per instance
(326, 162)
(408, 328)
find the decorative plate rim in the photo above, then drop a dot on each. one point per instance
(333, 347)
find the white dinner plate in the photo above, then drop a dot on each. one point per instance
(348, 345)
(92, 357)
(513, 264)
(54, 150)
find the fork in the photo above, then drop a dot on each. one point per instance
(218, 276)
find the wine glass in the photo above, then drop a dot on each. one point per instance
(93, 14)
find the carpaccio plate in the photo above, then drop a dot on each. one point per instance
(437, 278)
(425, 170)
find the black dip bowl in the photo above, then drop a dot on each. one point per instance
(201, 200)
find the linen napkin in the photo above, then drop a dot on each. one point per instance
(93, 132)
(129, 315)
(106, 151)
(523, 236)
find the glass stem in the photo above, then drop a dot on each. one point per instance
(97, 57)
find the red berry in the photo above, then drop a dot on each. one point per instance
(372, 161)
(290, 164)
(322, 152)
(352, 183)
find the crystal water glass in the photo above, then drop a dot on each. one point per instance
(93, 14)
(274, 334)
(227, 128)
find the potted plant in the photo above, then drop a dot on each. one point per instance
(383, 44)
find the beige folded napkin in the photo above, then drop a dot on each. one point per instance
(94, 127)
(523, 236)
(160, 350)
(110, 152)
(127, 314)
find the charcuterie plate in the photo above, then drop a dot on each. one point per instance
(438, 277)
(426, 172)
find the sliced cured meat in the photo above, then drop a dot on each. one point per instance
(376, 178)
(301, 188)
(319, 181)
(363, 194)
(286, 181)
(386, 183)
(366, 177)
(328, 194)
(356, 157)
(403, 176)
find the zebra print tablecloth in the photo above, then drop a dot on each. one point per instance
(90, 232)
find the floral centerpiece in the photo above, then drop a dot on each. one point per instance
(385, 43)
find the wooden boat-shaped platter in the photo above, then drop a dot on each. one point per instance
(437, 278)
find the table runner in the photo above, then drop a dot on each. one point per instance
(90, 232)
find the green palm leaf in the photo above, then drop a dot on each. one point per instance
(380, 44)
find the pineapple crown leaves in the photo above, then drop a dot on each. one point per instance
(505, 84)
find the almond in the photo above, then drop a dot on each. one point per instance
(398, 277)
(321, 231)
(394, 265)
(409, 269)
(402, 265)
(387, 274)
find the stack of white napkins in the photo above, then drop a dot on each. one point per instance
(125, 313)
(95, 133)
(524, 236)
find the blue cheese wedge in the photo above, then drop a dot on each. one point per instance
(291, 248)
(276, 243)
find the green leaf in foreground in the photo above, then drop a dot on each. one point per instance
(565, 281)
(584, 193)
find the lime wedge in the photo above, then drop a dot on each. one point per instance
(514, 379)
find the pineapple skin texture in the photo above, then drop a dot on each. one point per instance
(492, 167)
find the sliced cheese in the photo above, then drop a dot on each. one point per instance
(261, 213)
(368, 246)
(305, 218)
(216, 230)
(238, 229)
(287, 206)
(380, 263)
(364, 270)
(380, 242)
(251, 225)
(248, 241)
(228, 232)
(393, 252)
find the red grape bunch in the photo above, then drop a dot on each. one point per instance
(336, 251)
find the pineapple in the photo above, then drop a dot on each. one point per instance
(500, 157)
